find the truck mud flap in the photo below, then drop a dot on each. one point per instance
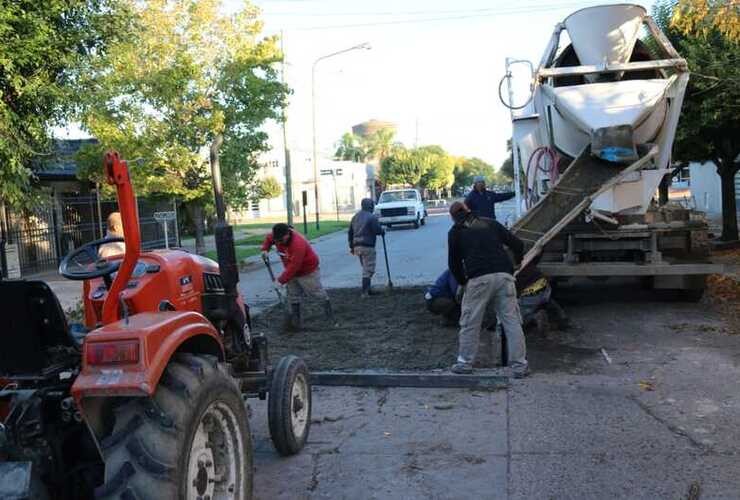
(15, 481)
(489, 380)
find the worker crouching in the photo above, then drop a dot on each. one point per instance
(301, 274)
(443, 298)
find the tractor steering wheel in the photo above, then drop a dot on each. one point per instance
(84, 263)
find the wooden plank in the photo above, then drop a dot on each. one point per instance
(481, 380)
(677, 63)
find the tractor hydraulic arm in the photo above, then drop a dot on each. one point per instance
(116, 172)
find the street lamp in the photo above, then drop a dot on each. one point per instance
(362, 46)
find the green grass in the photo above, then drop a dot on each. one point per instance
(241, 253)
(326, 227)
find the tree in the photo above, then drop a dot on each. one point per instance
(269, 188)
(466, 169)
(350, 148)
(439, 168)
(507, 167)
(702, 17)
(401, 166)
(45, 47)
(379, 144)
(193, 81)
(709, 129)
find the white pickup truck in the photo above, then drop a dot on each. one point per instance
(401, 206)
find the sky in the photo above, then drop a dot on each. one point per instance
(433, 68)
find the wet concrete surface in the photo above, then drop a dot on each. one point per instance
(657, 419)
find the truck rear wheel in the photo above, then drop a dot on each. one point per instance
(191, 440)
(289, 405)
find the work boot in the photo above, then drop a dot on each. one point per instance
(365, 287)
(460, 368)
(295, 317)
(520, 370)
(328, 311)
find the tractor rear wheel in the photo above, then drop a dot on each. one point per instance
(190, 441)
(289, 405)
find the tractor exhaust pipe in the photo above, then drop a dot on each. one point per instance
(228, 267)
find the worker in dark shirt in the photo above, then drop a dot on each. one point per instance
(481, 201)
(442, 298)
(478, 261)
(362, 236)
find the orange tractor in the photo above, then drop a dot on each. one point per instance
(146, 399)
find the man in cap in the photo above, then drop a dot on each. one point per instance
(362, 236)
(478, 261)
(481, 201)
(301, 273)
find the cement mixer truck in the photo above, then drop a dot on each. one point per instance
(591, 145)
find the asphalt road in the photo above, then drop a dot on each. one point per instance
(415, 256)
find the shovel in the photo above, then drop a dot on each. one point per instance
(266, 260)
(387, 267)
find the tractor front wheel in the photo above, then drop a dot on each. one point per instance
(190, 441)
(289, 405)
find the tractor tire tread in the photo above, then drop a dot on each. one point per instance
(143, 452)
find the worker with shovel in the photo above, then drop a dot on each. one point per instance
(301, 273)
(362, 236)
(478, 261)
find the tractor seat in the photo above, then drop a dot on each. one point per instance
(31, 322)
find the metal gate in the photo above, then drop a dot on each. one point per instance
(64, 222)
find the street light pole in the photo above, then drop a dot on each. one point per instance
(364, 46)
(288, 176)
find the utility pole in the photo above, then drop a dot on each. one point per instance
(288, 176)
(514, 150)
(362, 46)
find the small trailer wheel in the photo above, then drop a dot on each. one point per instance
(289, 405)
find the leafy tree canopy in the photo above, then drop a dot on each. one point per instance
(192, 79)
(189, 76)
(269, 188)
(45, 48)
(706, 34)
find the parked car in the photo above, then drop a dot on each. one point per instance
(401, 206)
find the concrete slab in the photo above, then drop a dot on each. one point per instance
(583, 418)
(624, 476)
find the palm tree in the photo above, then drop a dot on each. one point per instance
(380, 144)
(349, 148)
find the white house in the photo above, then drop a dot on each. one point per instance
(342, 185)
(706, 188)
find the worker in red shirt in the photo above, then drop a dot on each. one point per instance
(301, 273)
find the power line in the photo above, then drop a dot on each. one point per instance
(492, 13)
(389, 13)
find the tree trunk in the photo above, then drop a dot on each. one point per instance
(729, 207)
(195, 211)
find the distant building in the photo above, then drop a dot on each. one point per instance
(706, 188)
(343, 184)
(369, 127)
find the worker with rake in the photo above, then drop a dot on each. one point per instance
(301, 274)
